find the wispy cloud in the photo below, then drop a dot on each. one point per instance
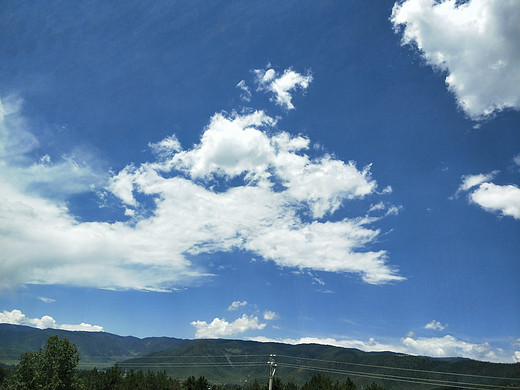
(470, 181)
(16, 317)
(246, 92)
(46, 300)
(516, 159)
(474, 42)
(236, 305)
(270, 315)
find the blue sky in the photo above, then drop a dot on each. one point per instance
(344, 173)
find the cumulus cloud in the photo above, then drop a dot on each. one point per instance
(237, 305)
(435, 325)
(503, 199)
(447, 346)
(16, 317)
(221, 328)
(281, 86)
(475, 43)
(497, 198)
(244, 186)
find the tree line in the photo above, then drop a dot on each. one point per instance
(54, 367)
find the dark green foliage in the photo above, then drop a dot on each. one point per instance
(116, 379)
(51, 368)
(318, 382)
(5, 373)
(321, 382)
(375, 386)
(255, 385)
(196, 384)
(346, 385)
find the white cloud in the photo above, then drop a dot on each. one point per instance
(270, 315)
(516, 159)
(496, 198)
(246, 92)
(166, 147)
(290, 80)
(516, 357)
(447, 346)
(470, 181)
(82, 327)
(245, 186)
(504, 199)
(71, 174)
(475, 43)
(16, 317)
(435, 325)
(46, 300)
(237, 305)
(370, 345)
(221, 328)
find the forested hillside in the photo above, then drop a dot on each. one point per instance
(245, 363)
(95, 348)
(241, 362)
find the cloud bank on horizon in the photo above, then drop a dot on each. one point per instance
(246, 186)
(16, 317)
(475, 43)
(445, 346)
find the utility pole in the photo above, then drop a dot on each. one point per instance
(272, 369)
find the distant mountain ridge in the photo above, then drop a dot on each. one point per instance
(96, 348)
(242, 362)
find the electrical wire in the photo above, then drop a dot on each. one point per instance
(227, 361)
(407, 379)
(399, 368)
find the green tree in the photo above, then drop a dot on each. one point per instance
(112, 378)
(346, 385)
(291, 386)
(51, 368)
(255, 385)
(375, 386)
(318, 382)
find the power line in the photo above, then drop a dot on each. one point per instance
(227, 361)
(228, 357)
(373, 375)
(400, 368)
(407, 379)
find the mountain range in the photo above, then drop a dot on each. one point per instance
(243, 362)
